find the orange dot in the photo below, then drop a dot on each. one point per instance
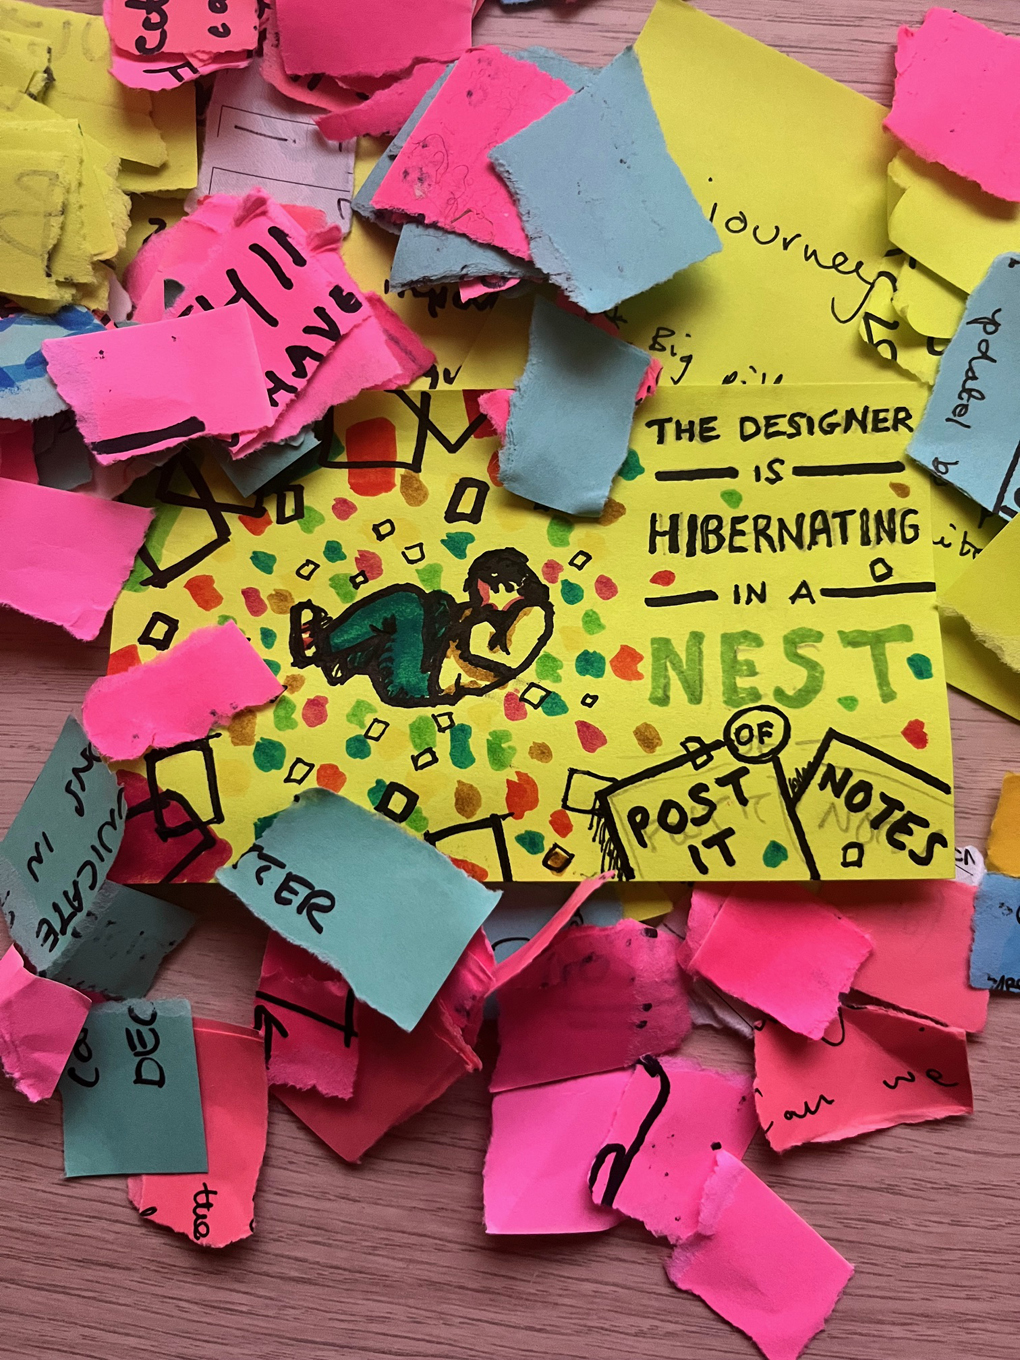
(330, 777)
(123, 660)
(202, 590)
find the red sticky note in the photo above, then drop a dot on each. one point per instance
(200, 683)
(442, 173)
(596, 999)
(40, 1022)
(660, 1148)
(217, 1207)
(758, 1264)
(955, 100)
(874, 1068)
(65, 555)
(352, 38)
(780, 949)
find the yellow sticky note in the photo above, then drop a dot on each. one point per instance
(948, 223)
(644, 901)
(34, 187)
(148, 216)
(173, 112)
(889, 334)
(985, 595)
(70, 260)
(24, 63)
(734, 673)
(1003, 852)
(928, 303)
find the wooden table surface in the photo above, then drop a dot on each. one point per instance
(389, 1259)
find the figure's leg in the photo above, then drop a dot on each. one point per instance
(381, 636)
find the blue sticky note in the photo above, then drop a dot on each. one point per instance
(130, 1093)
(995, 957)
(255, 470)
(970, 431)
(55, 857)
(125, 936)
(362, 200)
(571, 413)
(428, 255)
(26, 389)
(606, 209)
(385, 909)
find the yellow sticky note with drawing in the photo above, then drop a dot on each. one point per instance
(734, 673)
(36, 186)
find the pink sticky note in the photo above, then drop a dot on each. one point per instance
(217, 1207)
(496, 405)
(543, 1141)
(480, 287)
(660, 1148)
(144, 388)
(922, 935)
(158, 30)
(758, 1264)
(442, 173)
(874, 1068)
(309, 1017)
(17, 457)
(516, 962)
(317, 91)
(297, 308)
(65, 555)
(387, 110)
(399, 1073)
(781, 950)
(351, 38)
(955, 100)
(178, 696)
(597, 998)
(40, 1022)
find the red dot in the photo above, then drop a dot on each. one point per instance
(123, 660)
(314, 714)
(663, 578)
(256, 526)
(915, 734)
(330, 777)
(472, 870)
(590, 736)
(253, 601)
(343, 508)
(370, 563)
(513, 709)
(551, 571)
(561, 823)
(606, 587)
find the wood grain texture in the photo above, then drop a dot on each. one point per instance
(389, 1259)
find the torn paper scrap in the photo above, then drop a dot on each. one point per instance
(178, 696)
(921, 934)
(874, 1068)
(59, 848)
(542, 1144)
(427, 256)
(61, 455)
(995, 955)
(400, 1072)
(25, 63)
(597, 998)
(257, 138)
(125, 936)
(527, 910)
(496, 405)
(570, 913)
(578, 391)
(166, 840)
(927, 302)
(970, 865)
(954, 100)
(385, 909)
(308, 1017)
(758, 1264)
(606, 210)
(385, 110)
(217, 1207)
(442, 174)
(1002, 852)
(131, 1095)
(27, 392)
(37, 185)
(784, 952)
(659, 1149)
(39, 1025)
(163, 46)
(210, 382)
(362, 201)
(173, 112)
(968, 433)
(292, 455)
(357, 38)
(983, 594)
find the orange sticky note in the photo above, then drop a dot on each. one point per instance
(1003, 852)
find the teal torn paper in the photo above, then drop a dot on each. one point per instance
(970, 432)
(55, 857)
(571, 413)
(256, 470)
(62, 458)
(130, 1092)
(125, 937)
(385, 909)
(26, 389)
(606, 209)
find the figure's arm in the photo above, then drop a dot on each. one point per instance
(522, 637)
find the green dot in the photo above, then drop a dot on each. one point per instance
(283, 714)
(417, 821)
(731, 497)
(920, 666)
(559, 531)
(632, 466)
(499, 750)
(848, 701)
(422, 732)
(774, 855)
(548, 667)
(430, 576)
(457, 544)
(591, 623)
(341, 586)
(531, 841)
(225, 618)
(264, 562)
(590, 663)
(311, 520)
(571, 592)
(267, 636)
(333, 551)
(375, 793)
(359, 713)
(461, 755)
(553, 705)
(268, 754)
(274, 666)
(358, 747)
(262, 824)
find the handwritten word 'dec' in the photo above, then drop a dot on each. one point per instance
(143, 1043)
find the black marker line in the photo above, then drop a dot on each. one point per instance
(847, 469)
(126, 443)
(344, 1029)
(694, 597)
(869, 592)
(255, 133)
(1000, 507)
(697, 474)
